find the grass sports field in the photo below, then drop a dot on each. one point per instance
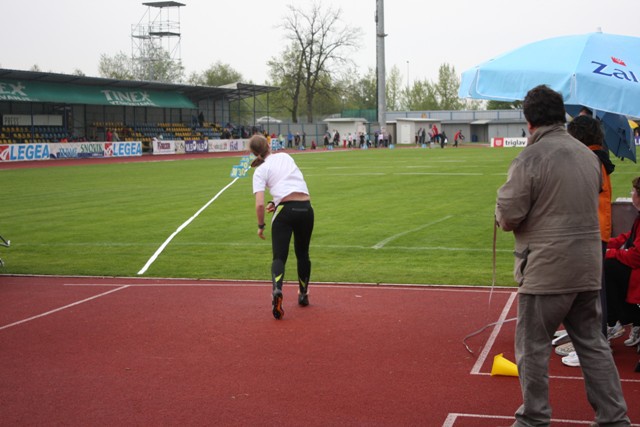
(414, 216)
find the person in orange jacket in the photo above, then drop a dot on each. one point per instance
(588, 130)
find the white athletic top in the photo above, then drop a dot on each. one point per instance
(280, 174)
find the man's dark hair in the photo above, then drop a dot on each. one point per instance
(543, 106)
(586, 130)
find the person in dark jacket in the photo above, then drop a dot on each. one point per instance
(622, 275)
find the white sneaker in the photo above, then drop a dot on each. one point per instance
(560, 337)
(571, 359)
(634, 337)
(565, 349)
(615, 331)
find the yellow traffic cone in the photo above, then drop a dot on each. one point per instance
(502, 366)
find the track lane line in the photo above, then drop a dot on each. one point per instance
(19, 322)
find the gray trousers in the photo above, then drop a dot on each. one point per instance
(539, 316)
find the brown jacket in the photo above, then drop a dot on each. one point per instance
(550, 202)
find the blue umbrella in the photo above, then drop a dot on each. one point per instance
(597, 70)
(618, 135)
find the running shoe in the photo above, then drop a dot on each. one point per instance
(303, 295)
(571, 359)
(276, 304)
(634, 337)
(565, 349)
(560, 337)
(303, 292)
(303, 299)
(615, 331)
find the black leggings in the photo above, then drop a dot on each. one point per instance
(291, 218)
(617, 280)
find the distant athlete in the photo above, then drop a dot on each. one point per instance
(292, 215)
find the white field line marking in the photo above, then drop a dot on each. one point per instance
(372, 286)
(351, 174)
(489, 344)
(439, 173)
(388, 239)
(63, 308)
(175, 233)
(452, 417)
(250, 245)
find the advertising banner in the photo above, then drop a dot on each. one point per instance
(196, 146)
(218, 145)
(508, 142)
(24, 152)
(69, 150)
(161, 146)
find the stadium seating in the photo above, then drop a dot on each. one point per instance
(138, 132)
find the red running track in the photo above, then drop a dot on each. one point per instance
(130, 352)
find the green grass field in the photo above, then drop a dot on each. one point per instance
(414, 216)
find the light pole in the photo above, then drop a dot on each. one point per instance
(407, 77)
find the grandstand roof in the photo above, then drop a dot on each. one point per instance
(163, 4)
(232, 92)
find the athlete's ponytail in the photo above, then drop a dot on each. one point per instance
(259, 146)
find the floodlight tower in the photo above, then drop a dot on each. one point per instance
(156, 38)
(380, 66)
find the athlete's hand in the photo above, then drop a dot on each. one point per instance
(261, 233)
(271, 207)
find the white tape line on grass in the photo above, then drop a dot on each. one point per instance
(388, 239)
(175, 233)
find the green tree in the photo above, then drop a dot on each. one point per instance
(394, 92)
(116, 67)
(361, 92)
(447, 87)
(503, 105)
(154, 65)
(217, 74)
(422, 96)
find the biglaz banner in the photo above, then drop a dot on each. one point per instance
(508, 142)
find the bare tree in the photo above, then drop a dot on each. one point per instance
(322, 43)
(287, 74)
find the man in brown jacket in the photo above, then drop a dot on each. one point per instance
(550, 202)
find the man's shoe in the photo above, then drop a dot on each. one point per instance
(276, 304)
(565, 349)
(571, 359)
(634, 337)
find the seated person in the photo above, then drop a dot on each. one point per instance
(622, 275)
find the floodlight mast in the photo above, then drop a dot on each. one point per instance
(161, 31)
(380, 61)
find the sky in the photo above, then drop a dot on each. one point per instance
(67, 35)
